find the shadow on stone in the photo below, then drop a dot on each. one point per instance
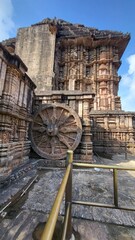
(57, 233)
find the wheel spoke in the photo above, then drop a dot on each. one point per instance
(52, 143)
(64, 120)
(70, 123)
(39, 129)
(64, 141)
(67, 130)
(38, 123)
(60, 115)
(58, 141)
(42, 140)
(54, 113)
(37, 136)
(48, 116)
(70, 137)
(42, 117)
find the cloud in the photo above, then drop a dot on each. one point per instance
(128, 86)
(6, 23)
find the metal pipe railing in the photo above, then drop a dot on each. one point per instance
(94, 204)
(66, 187)
(66, 231)
(87, 165)
(51, 222)
(115, 185)
(68, 196)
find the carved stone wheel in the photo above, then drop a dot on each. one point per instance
(55, 129)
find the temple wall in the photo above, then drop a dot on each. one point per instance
(81, 103)
(16, 95)
(36, 46)
(80, 66)
(113, 131)
(62, 56)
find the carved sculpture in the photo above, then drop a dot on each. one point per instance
(55, 129)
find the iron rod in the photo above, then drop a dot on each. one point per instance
(93, 204)
(51, 223)
(115, 186)
(68, 195)
(66, 222)
(87, 165)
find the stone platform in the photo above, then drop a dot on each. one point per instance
(90, 222)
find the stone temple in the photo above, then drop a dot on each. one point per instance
(59, 91)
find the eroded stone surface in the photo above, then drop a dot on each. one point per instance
(88, 185)
(16, 96)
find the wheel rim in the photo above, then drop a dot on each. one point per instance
(55, 129)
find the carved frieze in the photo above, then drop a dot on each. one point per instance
(16, 93)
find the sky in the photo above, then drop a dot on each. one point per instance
(115, 15)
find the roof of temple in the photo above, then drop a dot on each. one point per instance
(71, 33)
(68, 29)
(91, 36)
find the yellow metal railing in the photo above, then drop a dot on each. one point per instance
(115, 186)
(65, 187)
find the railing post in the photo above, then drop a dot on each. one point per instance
(125, 151)
(68, 195)
(115, 187)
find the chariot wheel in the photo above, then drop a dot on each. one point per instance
(55, 129)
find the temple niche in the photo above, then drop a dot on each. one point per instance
(72, 65)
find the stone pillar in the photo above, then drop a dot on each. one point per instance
(3, 68)
(86, 144)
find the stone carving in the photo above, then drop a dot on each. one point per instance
(55, 129)
(14, 114)
(77, 66)
(78, 111)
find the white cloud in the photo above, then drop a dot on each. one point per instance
(128, 86)
(6, 22)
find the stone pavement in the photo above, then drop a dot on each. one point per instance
(89, 185)
(91, 230)
(24, 225)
